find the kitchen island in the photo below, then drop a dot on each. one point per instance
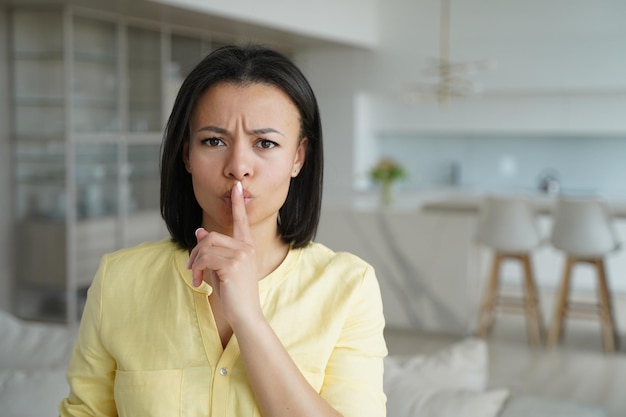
(432, 271)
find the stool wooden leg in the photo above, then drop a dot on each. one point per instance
(486, 318)
(606, 310)
(531, 304)
(560, 308)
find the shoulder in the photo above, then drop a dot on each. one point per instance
(146, 251)
(142, 258)
(346, 267)
(320, 253)
(126, 272)
(347, 284)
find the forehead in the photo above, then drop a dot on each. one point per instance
(235, 97)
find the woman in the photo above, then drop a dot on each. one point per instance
(240, 313)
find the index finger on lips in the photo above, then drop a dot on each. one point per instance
(241, 228)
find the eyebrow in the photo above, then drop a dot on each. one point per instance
(222, 131)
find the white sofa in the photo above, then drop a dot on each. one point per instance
(451, 382)
(33, 357)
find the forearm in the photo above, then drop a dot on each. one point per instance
(279, 386)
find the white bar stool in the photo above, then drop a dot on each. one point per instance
(508, 226)
(583, 230)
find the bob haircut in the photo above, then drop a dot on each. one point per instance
(243, 65)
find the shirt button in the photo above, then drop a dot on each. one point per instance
(223, 371)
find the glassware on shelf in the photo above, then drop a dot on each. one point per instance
(97, 182)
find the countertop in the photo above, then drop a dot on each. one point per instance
(464, 201)
(470, 203)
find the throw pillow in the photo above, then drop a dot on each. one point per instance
(449, 383)
(33, 345)
(462, 365)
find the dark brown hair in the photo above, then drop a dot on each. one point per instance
(299, 215)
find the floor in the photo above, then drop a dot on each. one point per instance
(576, 370)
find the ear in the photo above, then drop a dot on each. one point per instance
(186, 156)
(299, 159)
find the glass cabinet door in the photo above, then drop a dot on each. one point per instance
(38, 98)
(41, 202)
(185, 53)
(144, 78)
(143, 178)
(38, 70)
(95, 81)
(90, 95)
(141, 192)
(97, 231)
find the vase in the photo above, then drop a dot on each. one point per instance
(386, 193)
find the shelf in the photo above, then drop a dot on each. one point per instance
(95, 58)
(46, 137)
(40, 101)
(87, 102)
(144, 105)
(42, 181)
(38, 56)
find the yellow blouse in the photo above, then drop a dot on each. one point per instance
(148, 344)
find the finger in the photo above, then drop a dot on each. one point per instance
(200, 234)
(241, 228)
(196, 275)
(214, 282)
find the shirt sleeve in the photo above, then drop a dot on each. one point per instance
(353, 381)
(91, 370)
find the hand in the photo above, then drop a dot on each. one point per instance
(228, 263)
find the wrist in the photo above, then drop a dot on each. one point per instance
(251, 321)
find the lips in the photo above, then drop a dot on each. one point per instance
(246, 196)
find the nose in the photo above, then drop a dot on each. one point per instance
(239, 162)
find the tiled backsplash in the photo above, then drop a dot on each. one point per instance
(583, 165)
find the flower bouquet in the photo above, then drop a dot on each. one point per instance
(385, 173)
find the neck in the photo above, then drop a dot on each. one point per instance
(271, 250)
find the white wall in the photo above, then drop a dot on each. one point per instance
(336, 75)
(535, 44)
(559, 65)
(6, 196)
(559, 70)
(352, 22)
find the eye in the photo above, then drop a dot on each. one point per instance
(266, 144)
(213, 142)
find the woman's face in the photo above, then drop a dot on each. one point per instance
(248, 133)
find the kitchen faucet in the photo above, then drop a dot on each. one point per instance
(549, 181)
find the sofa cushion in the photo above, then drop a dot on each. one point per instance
(450, 382)
(31, 345)
(536, 406)
(28, 393)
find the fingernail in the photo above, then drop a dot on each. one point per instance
(196, 232)
(239, 187)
